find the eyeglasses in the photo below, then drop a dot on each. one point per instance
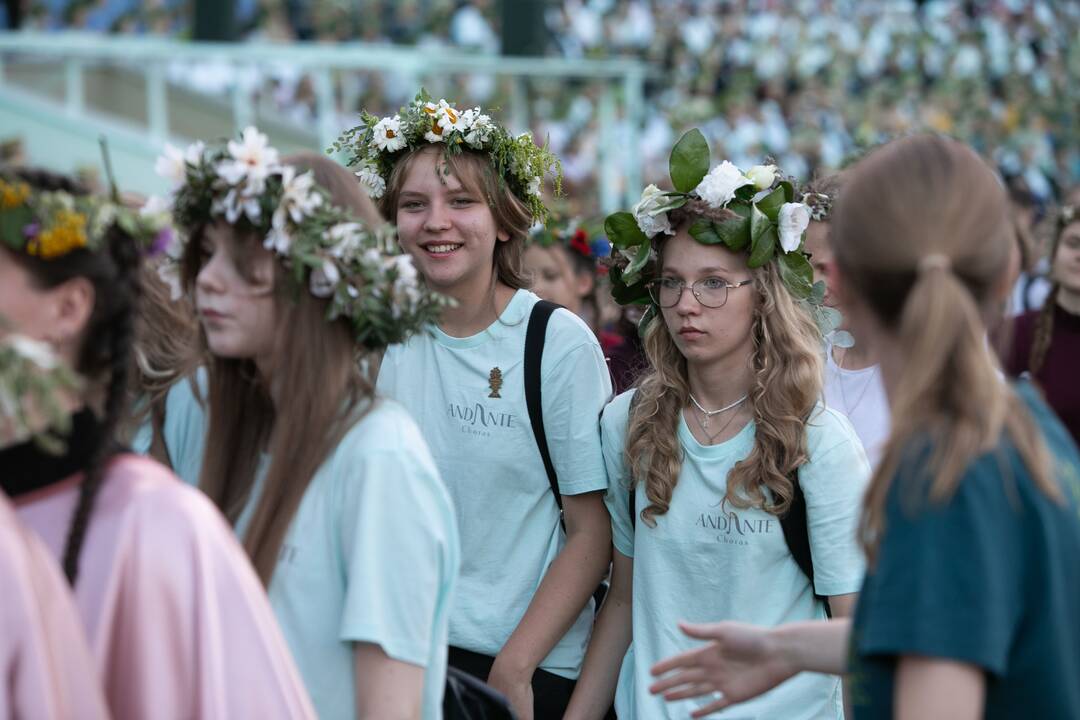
(711, 292)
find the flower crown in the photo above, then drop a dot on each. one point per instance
(52, 224)
(573, 235)
(366, 278)
(757, 215)
(37, 392)
(820, 205)
(377, 144)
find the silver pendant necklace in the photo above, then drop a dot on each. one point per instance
(709, 413)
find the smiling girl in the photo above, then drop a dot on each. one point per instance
(463, 193)
(722, 441)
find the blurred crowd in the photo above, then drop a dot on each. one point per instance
(810, 83)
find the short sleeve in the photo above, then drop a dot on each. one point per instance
(948, 577)
(575, 388)
(185, 427)
(399, 553)
(613, 439)
(834, 482)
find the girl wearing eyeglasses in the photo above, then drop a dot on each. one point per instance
(703, 457)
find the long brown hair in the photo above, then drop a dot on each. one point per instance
(476, 174)
(787, 381)
(1044, 324)
(922, 236)
(166, 343)
(323, 395)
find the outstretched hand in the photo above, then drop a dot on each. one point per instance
(740, 663)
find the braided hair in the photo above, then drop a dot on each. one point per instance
(107, 340)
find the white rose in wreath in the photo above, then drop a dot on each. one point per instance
(793, 220)
(763, 176)
(719, 186)
(651, 220)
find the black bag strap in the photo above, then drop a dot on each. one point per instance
(534, 353)
(468, 698)
(797, 536)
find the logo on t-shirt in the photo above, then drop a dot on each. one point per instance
(495, 382)
(732, 529)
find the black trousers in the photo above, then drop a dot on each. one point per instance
(551, 693)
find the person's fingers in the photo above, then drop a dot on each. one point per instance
(693, 675)
(711, 708)
(704, 631)
(690, 658)
(691, 691)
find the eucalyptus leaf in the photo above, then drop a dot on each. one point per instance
(843, 339)
(829, 319)
(817, 294)
(651, 313)
(689, 161)
(622, 229)
(644, 252)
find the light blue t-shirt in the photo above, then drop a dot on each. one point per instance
(468, 396)
(371, 556)
(706, 561)
(184, 430)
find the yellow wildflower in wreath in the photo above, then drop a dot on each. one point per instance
(13, 194)
(66, 233)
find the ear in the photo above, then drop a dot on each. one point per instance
(502, 236)
(73, 304)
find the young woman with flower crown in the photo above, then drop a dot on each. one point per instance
(463, 193)
(176, 619)
(333, 490)
(561, 261)
(972, 520)
(723, 439)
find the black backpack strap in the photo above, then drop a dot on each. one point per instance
(534, 353)
(632, 500)
(797, 536)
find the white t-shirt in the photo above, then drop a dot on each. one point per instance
(706, 561)
(468, 397)
(860, 396)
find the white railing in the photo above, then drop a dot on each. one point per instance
(620, 107)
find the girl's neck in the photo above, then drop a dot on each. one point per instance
(1068, 301)
(719, 383)
(475, 307)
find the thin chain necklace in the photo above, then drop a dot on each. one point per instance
(848, 407)
(711, 438)
(709, 413)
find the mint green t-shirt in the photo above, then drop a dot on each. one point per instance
(371, 556)
(184, 430)
(468, 396)
(706, 561)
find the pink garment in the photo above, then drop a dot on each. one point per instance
(178, 622)
(46, 670)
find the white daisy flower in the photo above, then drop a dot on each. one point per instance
(388, 136)
(171, 165)
(298, 197)
(253, 160)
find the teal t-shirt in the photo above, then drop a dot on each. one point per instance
(184, 430)
(468, 396)
(991, 578)
(371, 556)
(706, 561)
